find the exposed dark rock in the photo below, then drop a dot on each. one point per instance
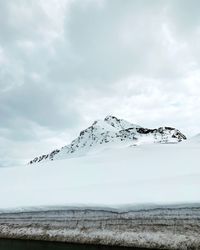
(120, 130)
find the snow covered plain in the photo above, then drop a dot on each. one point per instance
(153, 173)
(158, 179)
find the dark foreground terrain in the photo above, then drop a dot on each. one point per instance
(10, 244)
(153, 228)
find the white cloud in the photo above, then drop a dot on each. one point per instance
(65, 63)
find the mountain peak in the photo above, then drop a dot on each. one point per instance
(119, 123)
(112, 130)
(111, 117)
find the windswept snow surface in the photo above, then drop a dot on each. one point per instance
(119, 177)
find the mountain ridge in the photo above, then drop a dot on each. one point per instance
(112, 130)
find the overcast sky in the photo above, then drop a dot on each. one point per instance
(65, 63)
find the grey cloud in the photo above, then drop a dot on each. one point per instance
(63, 66)
(108, 43)
(184, 15)
(37, 102)
(21, 20)
(96, 38)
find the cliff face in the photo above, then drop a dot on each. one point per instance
(113, 132)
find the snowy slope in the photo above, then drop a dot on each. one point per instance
(150, 173)
(195, 139)
(112, 132)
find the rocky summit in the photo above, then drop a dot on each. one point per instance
(112, 132)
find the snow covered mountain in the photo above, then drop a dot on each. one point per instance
(112, 132)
